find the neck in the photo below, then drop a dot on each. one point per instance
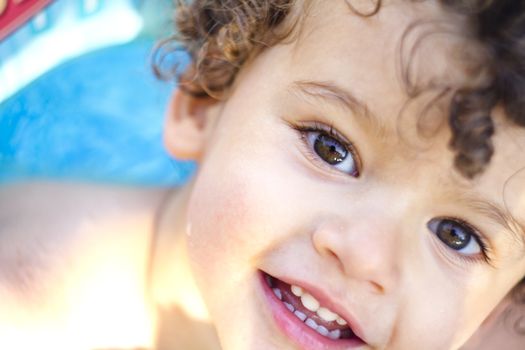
(183, 320)
(173, 284)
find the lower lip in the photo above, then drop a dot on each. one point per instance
(302, 335)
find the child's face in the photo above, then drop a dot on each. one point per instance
(363, 228)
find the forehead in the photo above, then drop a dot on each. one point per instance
(405, 48)
(504, 179)
(366, 56)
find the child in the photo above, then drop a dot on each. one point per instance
(334, 206)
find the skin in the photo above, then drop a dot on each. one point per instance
(73, 262)
(262, 200)
(364, 241)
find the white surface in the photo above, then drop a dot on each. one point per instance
(70, 36)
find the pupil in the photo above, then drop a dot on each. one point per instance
(329, 149)
(453, 235)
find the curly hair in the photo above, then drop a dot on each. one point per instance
(221, 35)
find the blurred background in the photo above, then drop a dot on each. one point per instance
(78, 97)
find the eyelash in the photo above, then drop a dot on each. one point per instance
(304, 127)
(476, 235)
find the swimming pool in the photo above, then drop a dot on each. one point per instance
(96, 116)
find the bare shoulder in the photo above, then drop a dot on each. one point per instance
(44, 197)
(67, 250)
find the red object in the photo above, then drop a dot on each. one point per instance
(14, 13)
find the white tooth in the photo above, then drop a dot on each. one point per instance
(335, 334)
(322, 330)
(300, 315)
(340, 321)
(309, 302)
(297, 291)
(289, 307)
(278, 293)
(327, 315)
(311, 323)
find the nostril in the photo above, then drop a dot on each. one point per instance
(377, 288)
(336, 260)
(325, 239)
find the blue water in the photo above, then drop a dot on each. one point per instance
(97, 117)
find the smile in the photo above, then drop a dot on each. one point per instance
(306, 320)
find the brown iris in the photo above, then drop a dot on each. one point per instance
(453, 235)
(329, 149)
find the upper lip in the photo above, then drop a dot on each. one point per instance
(326, 301)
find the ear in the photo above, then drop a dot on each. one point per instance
(188, 120)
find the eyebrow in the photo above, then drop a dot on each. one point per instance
(502, 217)
(329, 91)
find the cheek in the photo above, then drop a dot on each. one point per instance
(216, 217)
(228, 222)
(445, 309)
(238, 208)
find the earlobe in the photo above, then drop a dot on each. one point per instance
(185, 128)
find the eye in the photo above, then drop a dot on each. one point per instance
(328, 146)
(458, 236)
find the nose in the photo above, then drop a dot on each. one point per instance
(366, 250)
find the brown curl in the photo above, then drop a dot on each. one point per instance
(221, 35)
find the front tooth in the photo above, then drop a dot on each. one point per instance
(322, 330)
(311, 323)
(300, 315)
(289, 307)
(327, 315)
(278, 293)
(335, 334)
(309, 302)
(297, 291)
(341, 322)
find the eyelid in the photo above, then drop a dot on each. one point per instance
(480, 238)
(316, 126)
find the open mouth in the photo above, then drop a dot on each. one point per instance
(303, 308)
